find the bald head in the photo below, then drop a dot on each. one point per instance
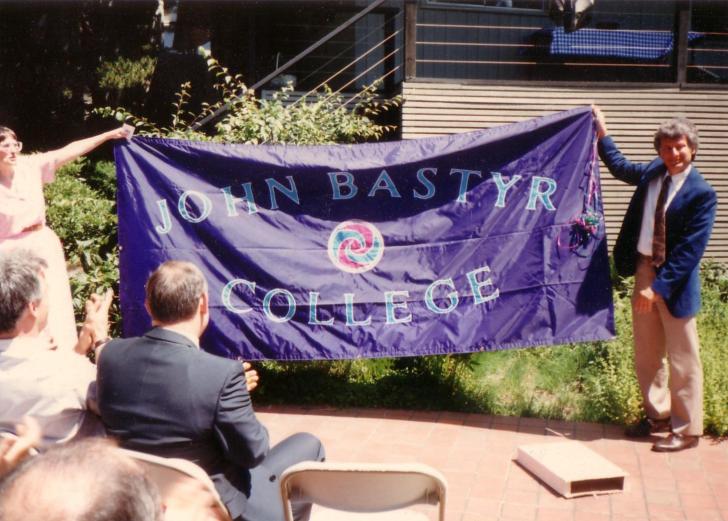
(89, 480)
(174, 291)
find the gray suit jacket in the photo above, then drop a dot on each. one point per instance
(160, 394)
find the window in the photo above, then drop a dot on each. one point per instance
(708, 43)
(538, 5)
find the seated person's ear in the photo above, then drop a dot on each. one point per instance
(204, 304)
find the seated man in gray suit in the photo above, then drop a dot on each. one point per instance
(161, 394)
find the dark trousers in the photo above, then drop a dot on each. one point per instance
(264, 502)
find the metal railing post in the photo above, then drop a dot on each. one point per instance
(390, 50)
(681, 41)
(410, 39)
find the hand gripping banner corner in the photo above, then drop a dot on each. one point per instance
(488, 240)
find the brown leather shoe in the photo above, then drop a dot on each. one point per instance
(676, 442)
(647, 427)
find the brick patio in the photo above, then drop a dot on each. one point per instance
(475, 452)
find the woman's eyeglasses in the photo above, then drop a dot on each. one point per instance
(16, 146)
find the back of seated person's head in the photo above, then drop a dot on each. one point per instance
(174, 290)
(19, 285)
(89, 480)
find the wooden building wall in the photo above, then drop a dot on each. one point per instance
(633, 114)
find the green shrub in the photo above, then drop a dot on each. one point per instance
(323, 118)
(715, 280)
(101, 177)
(123, 73)
(712, 322)
(124, 81)
(85, 220)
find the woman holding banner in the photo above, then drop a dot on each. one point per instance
(22, 218)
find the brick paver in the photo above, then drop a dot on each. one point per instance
(475, 453)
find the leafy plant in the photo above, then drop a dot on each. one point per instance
(85, 220)
(123, 73)
(715, 276)
(324, 117)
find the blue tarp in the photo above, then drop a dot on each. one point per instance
(617, 43)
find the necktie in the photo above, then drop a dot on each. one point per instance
(658, 236)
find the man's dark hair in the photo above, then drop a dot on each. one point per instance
(89, 480)
(19, 285)
(174, 291)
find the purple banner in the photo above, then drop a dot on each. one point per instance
(488, 240)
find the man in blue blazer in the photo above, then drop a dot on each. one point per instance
(159, 393)
(663, 237)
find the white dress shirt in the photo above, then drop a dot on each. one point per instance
(52, 386)
(644, 245)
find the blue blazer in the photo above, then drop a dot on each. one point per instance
(688, 221)
(160, 394)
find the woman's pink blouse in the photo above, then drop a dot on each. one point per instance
(23, 205)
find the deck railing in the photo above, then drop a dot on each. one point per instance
(638, 42)
(387, 66)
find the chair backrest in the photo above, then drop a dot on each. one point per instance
(363, 487)
(174, 477)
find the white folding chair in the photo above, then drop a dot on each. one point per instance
(368, 491)
(173, 477)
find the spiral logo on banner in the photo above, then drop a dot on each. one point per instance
(356, 246)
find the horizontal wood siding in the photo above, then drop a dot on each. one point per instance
(633, 115)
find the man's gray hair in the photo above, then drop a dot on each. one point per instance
(676, 128)
(88, 480)
(19, 284)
